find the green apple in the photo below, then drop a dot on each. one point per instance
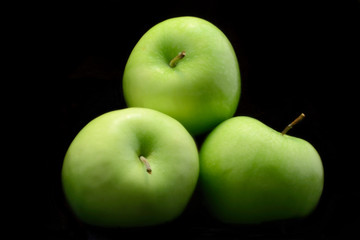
(130, 167)
(251, 173)
(187, 68)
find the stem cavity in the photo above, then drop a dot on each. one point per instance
(146, 163)
(175, 60)
(288, 127)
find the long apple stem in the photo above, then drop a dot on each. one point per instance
(288, 127)
(147, 164)
(175, 60)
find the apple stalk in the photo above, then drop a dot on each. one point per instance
(288, 127)
(176, 59)
(146, 163)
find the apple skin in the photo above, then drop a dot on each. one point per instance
(201, 91)
(106, 184)
(251, 173)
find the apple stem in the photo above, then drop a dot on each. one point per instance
(175, 60)
(147, 164)
(288, 127)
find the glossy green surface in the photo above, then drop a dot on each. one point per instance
(251, 173)
(202, 90)
(106, 184)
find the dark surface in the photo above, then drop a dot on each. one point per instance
(294, 57)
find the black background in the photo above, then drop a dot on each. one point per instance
(294, 57)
